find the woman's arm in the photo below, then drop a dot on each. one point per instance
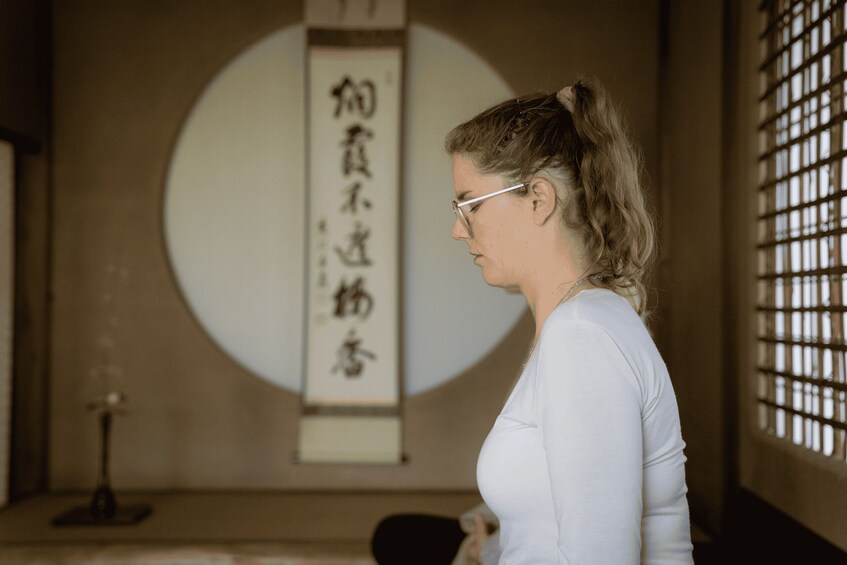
(588, 402)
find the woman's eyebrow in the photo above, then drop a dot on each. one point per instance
(463, 195)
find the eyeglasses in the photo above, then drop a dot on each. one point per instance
(457, 206)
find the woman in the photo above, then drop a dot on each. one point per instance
(585, 463)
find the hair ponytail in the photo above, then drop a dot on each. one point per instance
(619, 226)
(577, 135)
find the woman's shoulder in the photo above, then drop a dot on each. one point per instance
(581, 346)
(599, 329)
(602, 317)
(597, 308)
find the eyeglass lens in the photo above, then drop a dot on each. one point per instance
(458, 211)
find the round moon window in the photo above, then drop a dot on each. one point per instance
(235, 212)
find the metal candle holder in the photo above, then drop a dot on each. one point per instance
(103, 509)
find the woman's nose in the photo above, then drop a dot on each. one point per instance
(459, 231)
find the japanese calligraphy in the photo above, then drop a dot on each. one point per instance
(354, 97)
(355, 158)
(352, 299)
(356, 254)
(345, 236)
(321, 294)
(351, 204)
(350, 356)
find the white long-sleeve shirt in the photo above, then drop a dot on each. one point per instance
(585, 464)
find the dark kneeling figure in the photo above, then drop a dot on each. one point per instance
(416, 539)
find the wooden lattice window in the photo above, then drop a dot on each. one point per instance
(802, 225)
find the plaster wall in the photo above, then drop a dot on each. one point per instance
(126, 75)
(690, 275)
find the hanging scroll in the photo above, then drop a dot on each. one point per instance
(351, 392)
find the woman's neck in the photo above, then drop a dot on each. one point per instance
(555, 261)
(549, 287)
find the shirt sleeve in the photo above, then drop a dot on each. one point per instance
(588, 405)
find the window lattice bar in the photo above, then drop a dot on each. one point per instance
(824, 88)
(801, 309)
(800, 237)
(802, 223)
(790, 341)
(775, 14)
(807, 29)
(834, 385)
(808, 133)
(799, 173)
(828, 421)
(782, 80)
(797, 207)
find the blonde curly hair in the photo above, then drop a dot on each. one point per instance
(577, 137)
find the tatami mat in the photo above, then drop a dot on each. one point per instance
(219, 528)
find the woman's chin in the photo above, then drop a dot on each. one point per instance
(492, 279)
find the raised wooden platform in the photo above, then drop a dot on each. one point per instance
(199, 528)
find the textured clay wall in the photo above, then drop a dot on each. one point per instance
(126, 75)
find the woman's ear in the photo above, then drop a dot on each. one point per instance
(542, 194)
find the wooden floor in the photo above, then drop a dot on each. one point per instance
(218, 528)
(186, 554)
